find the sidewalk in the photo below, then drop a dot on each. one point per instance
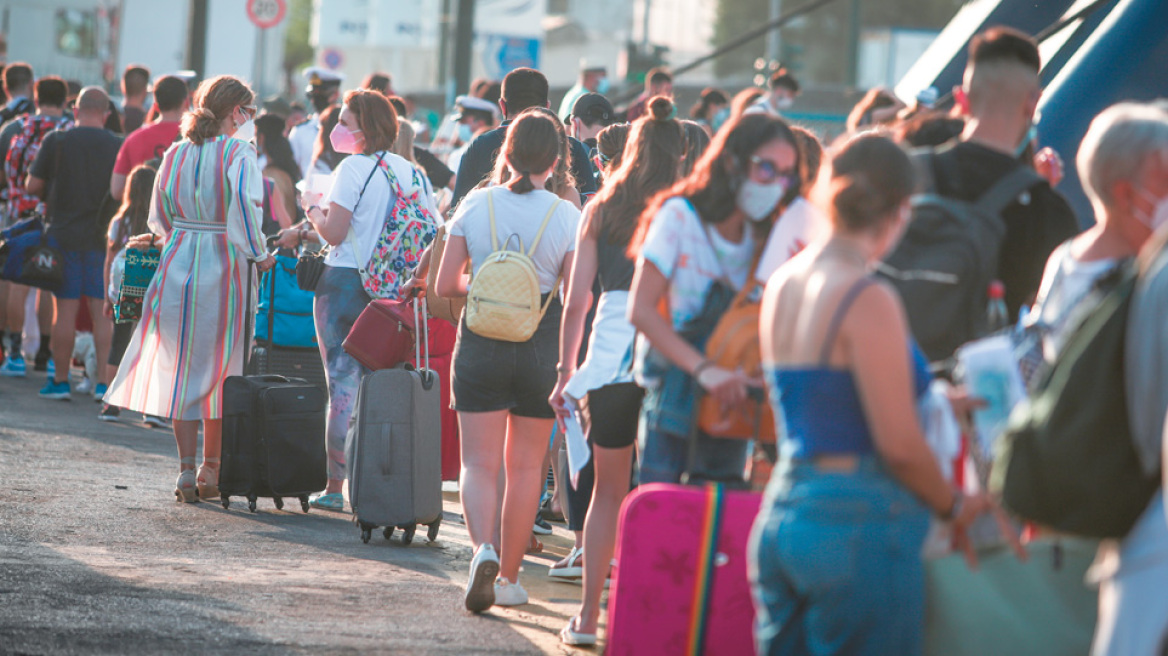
(97, 557)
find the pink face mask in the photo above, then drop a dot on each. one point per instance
(344, 140)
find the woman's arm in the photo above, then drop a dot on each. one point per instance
(331, 225)
(649, 287)
(451, 281)
(576, 305)
(245, 207)
(279, 211)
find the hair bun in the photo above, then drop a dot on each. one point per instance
(660, 108)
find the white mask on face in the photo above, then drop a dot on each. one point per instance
(785, 102)
(759, 200)
(1159, 214)
(246, 131)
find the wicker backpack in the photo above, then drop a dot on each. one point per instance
(503, 300)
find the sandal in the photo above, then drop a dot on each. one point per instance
(185, 487)
(571, 567)
(569, 636)
(535, 546)
(208, 479)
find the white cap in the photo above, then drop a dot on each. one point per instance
(318, 75)
(478, 104)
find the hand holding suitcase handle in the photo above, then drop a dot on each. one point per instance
(248, 330)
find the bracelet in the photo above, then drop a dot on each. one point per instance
(702, 366)
(955, 509)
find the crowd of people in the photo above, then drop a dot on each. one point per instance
(643, 231)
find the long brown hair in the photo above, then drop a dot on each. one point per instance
(532, 146)
(135, 209)
(712, 188)
(323, 148)
(215, 100)
(650, 163)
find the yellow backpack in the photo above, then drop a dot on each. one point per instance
(503, 299)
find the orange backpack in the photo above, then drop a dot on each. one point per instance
(734, 344)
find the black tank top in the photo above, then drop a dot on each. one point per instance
(614, 269)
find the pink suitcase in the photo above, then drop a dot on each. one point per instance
(662, 546)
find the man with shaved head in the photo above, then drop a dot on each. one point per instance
(72, 173)
(998, 98)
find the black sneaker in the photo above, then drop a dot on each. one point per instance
(41, 362)
(542, 527)
(109, 412)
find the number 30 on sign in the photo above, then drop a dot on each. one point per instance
(266, 13)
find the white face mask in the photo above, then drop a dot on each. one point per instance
(785, 102)
(246, 131)
(759, 200)
(1159, 214)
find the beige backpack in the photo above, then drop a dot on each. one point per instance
(503, 299)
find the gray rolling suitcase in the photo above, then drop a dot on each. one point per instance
(394, 447)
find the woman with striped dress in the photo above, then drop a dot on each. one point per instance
(206, 215)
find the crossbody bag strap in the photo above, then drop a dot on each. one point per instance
(837, 319)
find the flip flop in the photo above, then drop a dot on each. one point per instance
(569, 637)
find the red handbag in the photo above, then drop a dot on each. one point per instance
(383, 335)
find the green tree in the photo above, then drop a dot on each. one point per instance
(297, 51)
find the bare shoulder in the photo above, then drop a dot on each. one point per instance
(878, 305)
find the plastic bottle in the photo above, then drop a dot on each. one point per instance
(997, 317)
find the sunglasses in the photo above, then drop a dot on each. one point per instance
(767, 172)
(250, 110)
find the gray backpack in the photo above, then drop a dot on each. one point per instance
(947, 258)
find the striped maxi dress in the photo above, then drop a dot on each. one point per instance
(208, 205)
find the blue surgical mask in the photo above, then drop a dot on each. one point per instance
(465, 134)
(602, 86)
(720, 118)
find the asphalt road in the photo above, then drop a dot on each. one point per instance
(96, 557)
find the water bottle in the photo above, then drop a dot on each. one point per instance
(997, 317)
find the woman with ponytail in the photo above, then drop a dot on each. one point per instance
(835, 555)
(603, 387)
(500, 389)
(206, 216)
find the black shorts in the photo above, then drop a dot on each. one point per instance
(615, 426)
(490, 375)
(123, 332)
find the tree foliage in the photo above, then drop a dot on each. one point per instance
(297, 51)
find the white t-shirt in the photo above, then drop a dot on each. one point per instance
(678, 245)
(796, 227)
(1066, 283)
(519, 215)
(369, 215)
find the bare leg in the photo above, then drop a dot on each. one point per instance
(525, 454)
(186, 436)
(612, 484)
(482, 436)
(103, 330)
(64, 334)
(212, 440)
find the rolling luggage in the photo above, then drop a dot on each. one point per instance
(393, 453)
(285, 335)
(273, 437)
(442, 337)
(679, 584)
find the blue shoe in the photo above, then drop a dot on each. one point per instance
(99, 392)
(51, 369)
(334, 501)
(54, 390)
(13, 368)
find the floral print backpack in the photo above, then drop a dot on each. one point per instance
(409, 228)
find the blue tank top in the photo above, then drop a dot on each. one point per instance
(819, 407)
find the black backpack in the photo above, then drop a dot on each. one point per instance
(1067, 460)
(24, 106)
(944, 264)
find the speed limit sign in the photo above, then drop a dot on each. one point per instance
(266, 13)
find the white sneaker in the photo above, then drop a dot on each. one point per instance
(508, 593)
(480, 588)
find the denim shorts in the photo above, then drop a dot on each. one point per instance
(835, 563)
(84, 275)
(489, 374)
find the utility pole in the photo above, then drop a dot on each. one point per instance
(463, 45)
(854, 46)
(774, 44)
(196, 59)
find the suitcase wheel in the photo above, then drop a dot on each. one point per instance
(388, 532)
(225, 502)
(251, 503)
(304, 502)
(408, 533)
(366, 533)
(432, 529)
(279, 503)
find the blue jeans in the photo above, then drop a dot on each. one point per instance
(340, 299)
(835, 563)
(664, 456)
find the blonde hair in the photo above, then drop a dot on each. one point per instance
(403, 146)
(215, 100)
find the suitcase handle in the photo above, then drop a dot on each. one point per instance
(422, 339)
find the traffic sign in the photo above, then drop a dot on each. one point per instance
(332, 58)
(266, 13)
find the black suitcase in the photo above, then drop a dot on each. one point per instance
(273, 436)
